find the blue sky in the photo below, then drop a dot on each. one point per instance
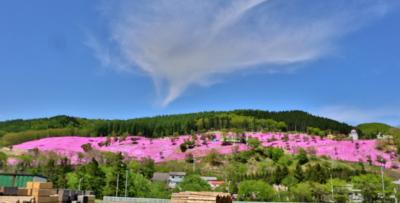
(88, 58)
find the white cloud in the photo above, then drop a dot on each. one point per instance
(184, 42)
(356, 115)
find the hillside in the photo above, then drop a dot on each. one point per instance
(18, 131)
(370, 130)
(265, 161)
(167, 149)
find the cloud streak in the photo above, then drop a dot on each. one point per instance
(180, 43)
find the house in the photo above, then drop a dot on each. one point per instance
(355, 195)
(212, 181)
(19, 180)
(175, 178)
(353, 135)
(380, 136)
(215, 183)
(171, 178)
(160, 177)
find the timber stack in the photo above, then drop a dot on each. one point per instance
(201, 197)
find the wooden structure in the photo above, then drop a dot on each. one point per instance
(42, 192)
(201, 197)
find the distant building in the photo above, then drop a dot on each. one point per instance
(380, 136)
(175, 178)
(215, 183)
(160, 177)
(355, 195)
(353, 135)
(19, 180)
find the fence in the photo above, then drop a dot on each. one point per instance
(110, 199)
(107, 199)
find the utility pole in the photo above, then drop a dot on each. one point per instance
(333, 197)
(80, 181)
(126, 183)
(116, 191)
(383, 183)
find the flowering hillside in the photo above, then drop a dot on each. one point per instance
(164, 149)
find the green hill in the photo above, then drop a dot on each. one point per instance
(370, 130)
(17, 131)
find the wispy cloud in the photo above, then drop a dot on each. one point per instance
(357, 115)
(184, 42)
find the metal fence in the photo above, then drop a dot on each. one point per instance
(107, 199)
(110, 199)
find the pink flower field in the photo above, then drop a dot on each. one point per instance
(163, 149)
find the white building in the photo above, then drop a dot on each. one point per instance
(353, 135)
(380, 136)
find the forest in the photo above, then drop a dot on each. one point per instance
(17, 131)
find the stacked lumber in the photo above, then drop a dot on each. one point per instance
(201, 197)
(42, 192)
(15, 199)
(8, 191)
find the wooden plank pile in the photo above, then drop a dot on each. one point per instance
(201, 197)
(15, 199)
(39, 192)
(8, 191)
(42, 192)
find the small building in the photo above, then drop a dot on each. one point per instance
(175, 178)
(160, 177)
(355, 195)
(353, 135)
(212, 181)
(215, 183)
(380, 136)
(19, 180)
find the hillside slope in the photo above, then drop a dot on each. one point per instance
(370, 130)
(17, 131)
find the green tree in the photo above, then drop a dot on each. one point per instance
(302, 156)
(340, 190)
(92, 177)
(301, 192)
(194, 183)
(253, 143)
(138, 186)
(147, 167)
(371, 186)
(3, 160)
(299, 173)
(255, 190)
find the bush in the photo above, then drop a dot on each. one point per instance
(255, 190)
(253, 143)
(183, 147)
(189, 158)
(194, 183)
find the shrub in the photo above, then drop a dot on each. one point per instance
(255, 190)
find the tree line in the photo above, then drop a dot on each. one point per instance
(17, 131)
